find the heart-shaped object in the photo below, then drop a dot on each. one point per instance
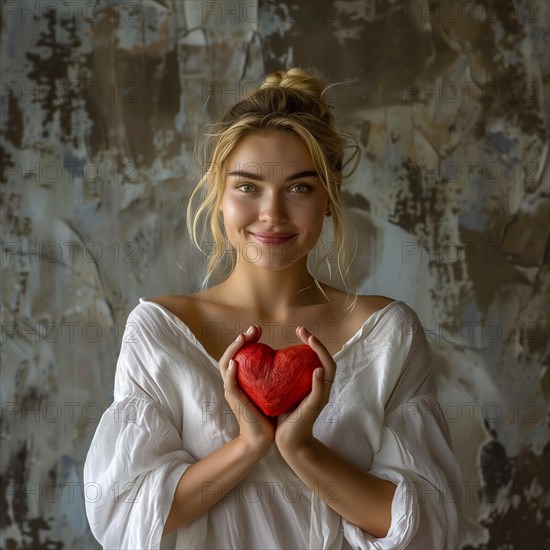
(278, 380)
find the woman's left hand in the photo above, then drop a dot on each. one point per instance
(295, 428)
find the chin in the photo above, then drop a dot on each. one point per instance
(273, 266)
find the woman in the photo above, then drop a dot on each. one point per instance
(188, 461)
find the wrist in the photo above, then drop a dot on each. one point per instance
(253, 448)
(297, 449)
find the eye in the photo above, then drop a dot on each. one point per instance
(301, 188)
(245, 187)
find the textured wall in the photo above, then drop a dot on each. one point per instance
(101, 102)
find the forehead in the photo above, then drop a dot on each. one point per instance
(270, 148)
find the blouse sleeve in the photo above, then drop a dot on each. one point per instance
(136, 457)
(415, 452)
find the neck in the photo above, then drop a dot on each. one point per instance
(270, 294)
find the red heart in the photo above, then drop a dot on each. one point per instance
(276, 380)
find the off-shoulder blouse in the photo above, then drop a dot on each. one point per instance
(169, 412)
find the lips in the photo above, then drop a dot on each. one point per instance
(273, 238)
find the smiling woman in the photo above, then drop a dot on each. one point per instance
(279, 208)
(364, 460)
(291, 105)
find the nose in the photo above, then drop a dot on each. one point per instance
(273, 209)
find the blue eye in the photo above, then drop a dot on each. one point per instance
(301, 188)
(245, 187)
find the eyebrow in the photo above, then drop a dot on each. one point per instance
(257, 177)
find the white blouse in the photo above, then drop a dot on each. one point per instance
(169, 412)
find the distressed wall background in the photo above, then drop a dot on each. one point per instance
(101, 102)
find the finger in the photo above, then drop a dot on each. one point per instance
(252, 334)
(324, 378)
(318, 396)
(231, 375)
(321, 387)
(230, 382)
(310, 407)
(302, 333)
(232, 389)
(324, 355)
(232, 386)
(307, 338)
(228, 355)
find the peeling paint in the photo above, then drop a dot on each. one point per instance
(100, 110)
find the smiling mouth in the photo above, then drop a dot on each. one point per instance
(273, 238)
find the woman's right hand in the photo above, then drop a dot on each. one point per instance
(255, 429)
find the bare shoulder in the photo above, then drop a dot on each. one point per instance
(170, 301)
(363, 305)
(184, 306)
(352, 311)
(369, 304)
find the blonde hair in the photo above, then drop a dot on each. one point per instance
(292, 100)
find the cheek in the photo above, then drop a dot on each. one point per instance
(313, 215)
(235, 213)
(317, 221)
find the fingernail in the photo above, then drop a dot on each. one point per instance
(232, 363)
(249, 330)
(239, 338)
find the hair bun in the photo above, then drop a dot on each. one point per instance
(299, 80)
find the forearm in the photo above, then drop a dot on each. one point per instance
(361, 498)
(208, 480)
